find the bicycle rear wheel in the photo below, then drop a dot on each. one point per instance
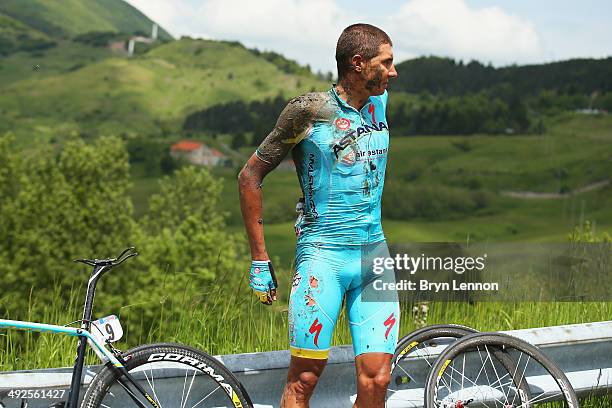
(173, 375)
(467, 374)
(414, 355)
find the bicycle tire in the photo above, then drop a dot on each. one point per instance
(181, 366)
(491, 342)
(407, 343)
(402, 391)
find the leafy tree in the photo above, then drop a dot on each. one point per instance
(60, 205)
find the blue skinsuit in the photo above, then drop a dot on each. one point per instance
(341, 169)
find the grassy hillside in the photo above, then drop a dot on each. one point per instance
(15, 36)
(68, 18)
(148, 94)
(576, 146)
(65, 57)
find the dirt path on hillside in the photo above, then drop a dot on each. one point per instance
(536, 195)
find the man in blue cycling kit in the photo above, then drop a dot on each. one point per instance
(339, 141)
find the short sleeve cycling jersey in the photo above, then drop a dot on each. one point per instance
(340, 154)
(341, 164)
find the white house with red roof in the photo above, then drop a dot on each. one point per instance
(197, 153)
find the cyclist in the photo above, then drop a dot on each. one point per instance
(339, 141)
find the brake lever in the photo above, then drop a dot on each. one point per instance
(125, 258)
(85, 261)
(124, 252)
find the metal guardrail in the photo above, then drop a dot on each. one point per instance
(582, 351)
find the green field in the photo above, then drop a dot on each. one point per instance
(580, 145)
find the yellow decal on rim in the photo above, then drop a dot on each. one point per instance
(151, 400)
(446, 363)
(236, 400)
(409, 347)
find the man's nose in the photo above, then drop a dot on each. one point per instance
(393, 72)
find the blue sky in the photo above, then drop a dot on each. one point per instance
(500, 32)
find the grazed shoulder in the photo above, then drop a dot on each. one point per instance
(294, 124)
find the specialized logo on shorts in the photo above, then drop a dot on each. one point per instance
(343, 123)
(389, 322)
(256, 270)
(316, 328)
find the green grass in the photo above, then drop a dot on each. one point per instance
(230, 320)
(67, 56)
(225, 320)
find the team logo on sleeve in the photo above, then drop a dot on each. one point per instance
(343, 123)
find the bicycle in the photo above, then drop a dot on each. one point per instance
(151, 375)
(414, 356)
(465, 374)
(474, 370)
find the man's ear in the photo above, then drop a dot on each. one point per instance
(357, 62)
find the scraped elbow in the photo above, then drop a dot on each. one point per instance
(247, 177)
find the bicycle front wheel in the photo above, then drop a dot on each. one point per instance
(468, 374)
(172, 375)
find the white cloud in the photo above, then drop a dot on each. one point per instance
(299, 29)
(169, 14)
(451, 28)
(307, 30)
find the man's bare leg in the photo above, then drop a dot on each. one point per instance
(302, 378)
(373, 376)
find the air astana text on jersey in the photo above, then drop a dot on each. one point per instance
(355, 134)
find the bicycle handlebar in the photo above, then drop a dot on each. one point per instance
(128, 253)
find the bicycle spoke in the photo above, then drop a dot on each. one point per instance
(520, 380)
(543, 398)
(189, 390)
(426, 358)
(184, 385)
(209, 394)
(409, 376)
(474, 384)
(495, 371)
(152, 385)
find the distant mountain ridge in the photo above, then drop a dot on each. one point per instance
(438, 75)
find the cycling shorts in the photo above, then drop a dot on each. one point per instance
(324, 275)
